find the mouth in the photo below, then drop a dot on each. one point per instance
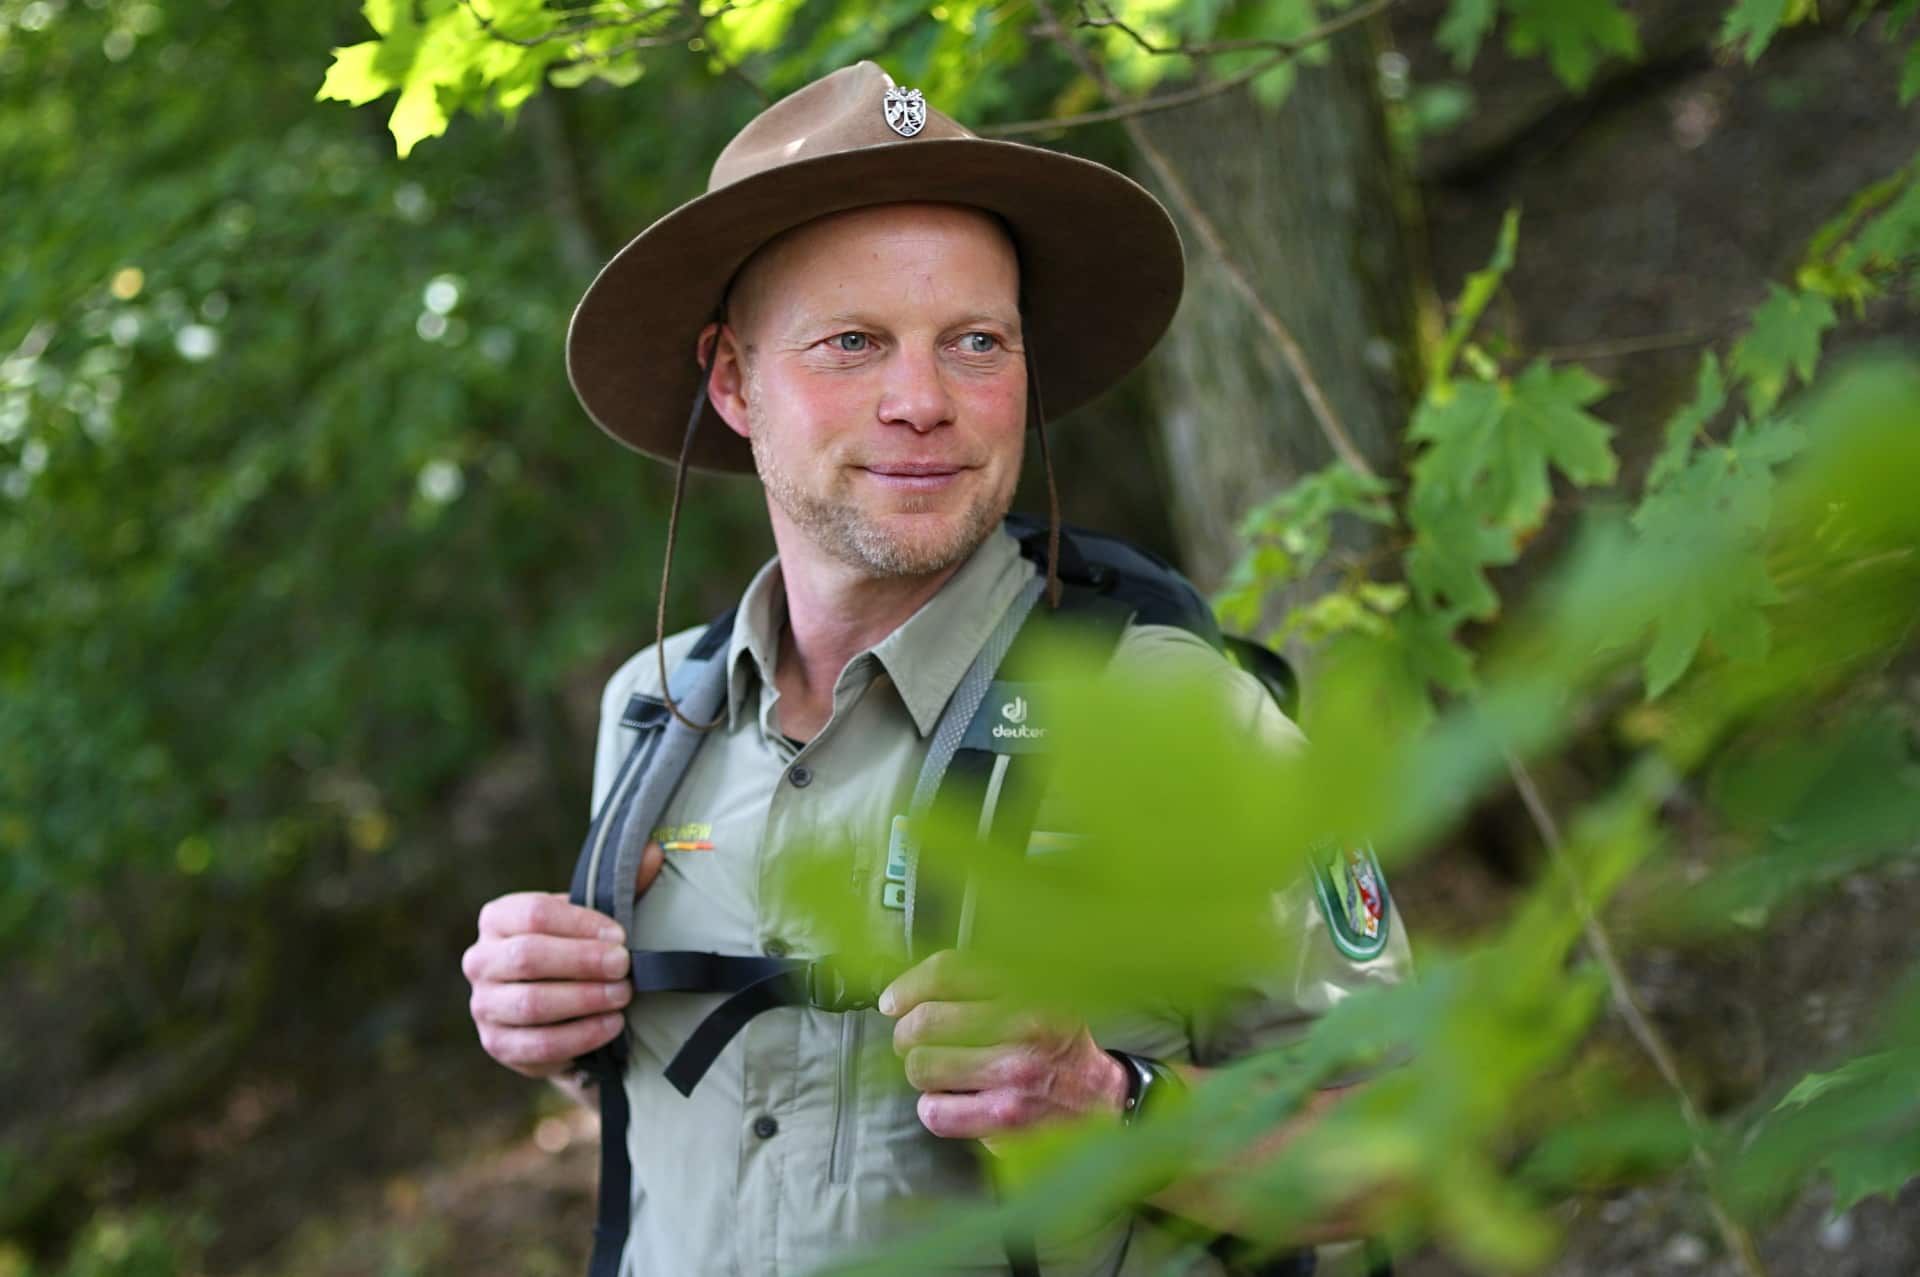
(915, 476)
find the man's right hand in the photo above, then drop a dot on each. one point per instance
(549, 981)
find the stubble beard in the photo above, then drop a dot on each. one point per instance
(842, 529)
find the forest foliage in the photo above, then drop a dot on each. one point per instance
(275, 586)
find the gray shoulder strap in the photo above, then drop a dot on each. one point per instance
(699, 687)
(952, 727)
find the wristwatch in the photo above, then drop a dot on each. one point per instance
(1149, 1082)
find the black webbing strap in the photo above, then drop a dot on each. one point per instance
(612, 1215)
(756, 984)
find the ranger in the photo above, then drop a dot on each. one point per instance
(859, 310)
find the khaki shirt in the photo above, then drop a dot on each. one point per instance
(801, 1144)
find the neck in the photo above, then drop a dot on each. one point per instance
(834, 612)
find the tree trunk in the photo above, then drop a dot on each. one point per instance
(1308, 202)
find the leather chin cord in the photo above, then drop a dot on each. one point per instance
(1037, 410)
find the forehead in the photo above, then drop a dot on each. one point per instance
(955, 246)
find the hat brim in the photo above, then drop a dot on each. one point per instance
(1101, 273)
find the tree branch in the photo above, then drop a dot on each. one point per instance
(1216, 48)
(574, 32)
(1636, 345)
(1290, 349)
(1738, 1242)
(1287, 50)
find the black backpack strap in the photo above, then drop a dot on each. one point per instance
(613, 1212)
(754, 984)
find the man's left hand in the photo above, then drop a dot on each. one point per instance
(985, 1066)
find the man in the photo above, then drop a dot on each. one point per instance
(858, 307)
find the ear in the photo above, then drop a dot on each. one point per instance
(722, 350)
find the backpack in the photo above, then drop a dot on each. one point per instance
(1107, 584)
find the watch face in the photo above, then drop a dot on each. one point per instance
(1145, 1079)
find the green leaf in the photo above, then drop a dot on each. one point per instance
(1859, 1069)
(1547, 425)
(417, 116)
(1463, 29)
(1491, 445)
(1890, 241)
(1709, 397)
(1458, 422)
(1756, 22)
(1432, 653)
(1783, 342)
(355, 76)
(1910, 75)
(1575, 35)
(1475, 295)
(1719, 504)
(1453, 544)
(742, 31)
(1873, 1170)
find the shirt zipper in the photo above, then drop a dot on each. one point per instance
(846, 1097)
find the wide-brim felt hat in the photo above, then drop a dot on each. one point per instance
(1100, 262)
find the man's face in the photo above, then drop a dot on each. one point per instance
(876, 366)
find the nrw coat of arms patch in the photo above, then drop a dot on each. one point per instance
(906, 110)
(1352, 894)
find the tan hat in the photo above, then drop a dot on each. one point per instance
(1100, 262)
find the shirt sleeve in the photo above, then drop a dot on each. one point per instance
(1309, 972)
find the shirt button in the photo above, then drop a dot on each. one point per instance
(801, 776)
(776, 948)
(765, 1127)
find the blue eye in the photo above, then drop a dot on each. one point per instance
(979, 343)
(849, 343)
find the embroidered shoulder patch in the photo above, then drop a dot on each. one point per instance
(1352, 894)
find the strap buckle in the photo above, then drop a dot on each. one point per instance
(831, 988)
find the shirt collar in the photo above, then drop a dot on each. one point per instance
(925, 657)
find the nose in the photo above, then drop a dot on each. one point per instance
(916, 394)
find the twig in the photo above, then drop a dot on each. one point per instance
(1214, 48)
(1632, 345)
(1336, 434)
(575, 31)
(696, 30)
(1188, 96)
(1738, 1242)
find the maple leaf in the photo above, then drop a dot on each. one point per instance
(1546, 424)
(1757, 21)
(1719, 504)
(1709, 396)
(440, 57)
(1575, 34)
(1783, 342)
(1462, 30)
(1453, 544)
